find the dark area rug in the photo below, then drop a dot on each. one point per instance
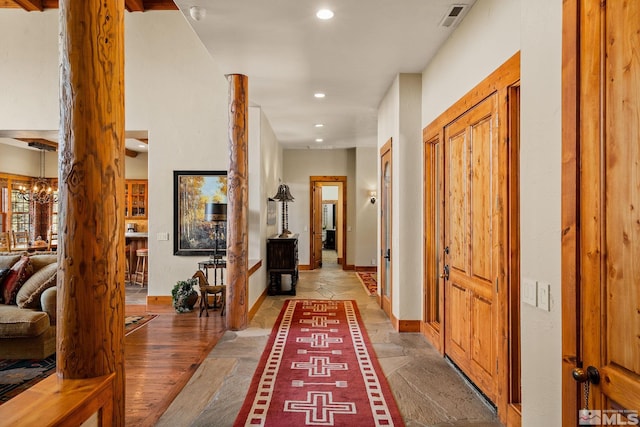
(18, 375)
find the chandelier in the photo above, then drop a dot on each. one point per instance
(40, 190)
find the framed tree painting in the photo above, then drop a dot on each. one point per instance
(199, 212)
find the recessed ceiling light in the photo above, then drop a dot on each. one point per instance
(319, 125)
(324, 14)
(319, 95)
(319, 139)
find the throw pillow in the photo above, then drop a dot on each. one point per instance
(29, 294)
(18, 274)
(7, 260)
(3, 273)
(40, 260)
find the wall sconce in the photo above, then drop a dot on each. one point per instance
(373, 194)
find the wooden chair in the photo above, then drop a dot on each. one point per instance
(5, 241)
(52, 242)
(206, 289)
(19, 241)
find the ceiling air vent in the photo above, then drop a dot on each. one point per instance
(454, 15)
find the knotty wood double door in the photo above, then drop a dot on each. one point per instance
(471, 282)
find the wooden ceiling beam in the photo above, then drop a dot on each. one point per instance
(160, 5)
(30, 5)
(134, 5)
(130, 153)
(40, 141)
(54, 145)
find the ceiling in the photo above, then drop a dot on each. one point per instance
(288, 55)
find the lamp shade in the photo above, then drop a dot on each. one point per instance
(215, 212)
(283, 194)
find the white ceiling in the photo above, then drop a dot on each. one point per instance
(288, 54)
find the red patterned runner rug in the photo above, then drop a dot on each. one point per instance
(369, 282)
(319, 369)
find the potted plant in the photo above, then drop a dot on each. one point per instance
(184, 296)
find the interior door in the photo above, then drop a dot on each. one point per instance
(385, 287)
(609, 200)
(470, 242)
(317, 225)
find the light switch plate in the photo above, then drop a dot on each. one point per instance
(544, 290)
(162, 236)
(529, 294)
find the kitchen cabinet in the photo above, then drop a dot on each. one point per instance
(136, 198)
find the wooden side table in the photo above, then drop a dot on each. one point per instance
(215, 263)
(282, 258)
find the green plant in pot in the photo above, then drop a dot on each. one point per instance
(184, 296)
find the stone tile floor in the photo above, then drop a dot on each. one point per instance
(428, 390)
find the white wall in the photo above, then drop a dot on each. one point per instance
(366, 250)
(29, 81)
(485, 39)
(265, 168)
(175, 91)
(299, 165)
(23, 161)
(540, 207)
(491, 33)
(26, 161)
(399, 119)
(137, 167)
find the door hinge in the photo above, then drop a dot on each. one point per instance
(497, 285)
(497, 366)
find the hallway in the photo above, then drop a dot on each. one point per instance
(428, 391)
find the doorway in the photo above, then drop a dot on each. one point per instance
(385, 286)
(471, 246)
(328, 221)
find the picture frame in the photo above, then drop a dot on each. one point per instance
(271, 212)
(194, 232)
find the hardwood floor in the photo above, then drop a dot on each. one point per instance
(161, 356)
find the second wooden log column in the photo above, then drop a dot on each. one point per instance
(237, 204)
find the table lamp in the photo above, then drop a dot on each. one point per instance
(284, 195)
(216, 213)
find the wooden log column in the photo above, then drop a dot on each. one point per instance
(237, 204)
(91, 292)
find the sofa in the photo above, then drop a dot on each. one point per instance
(28, 304)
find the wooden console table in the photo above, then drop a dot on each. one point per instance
(282, 258)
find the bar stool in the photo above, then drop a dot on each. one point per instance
(141, 276)
(127, 273)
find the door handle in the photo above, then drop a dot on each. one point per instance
(591, 375)
(388, 255)
(445, 273)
